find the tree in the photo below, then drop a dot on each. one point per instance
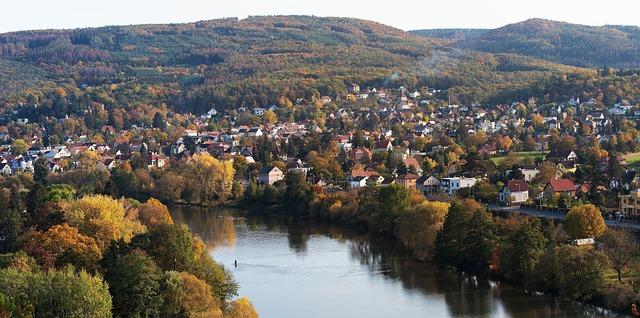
(152, 213)
(522, 250)
(584, 221)
(214, 178)
(418, 227)
(58, 293)
(185, 294)
(620, 247)
(480, 242)
(298, 192)
(102, 218)
(169, 187)
(135, 284)
(170, 245)
(269, 117)
(13, 217)
(19, 146)
(454, 242)
(571, 271)
(60, 192)
(62, 245)
(241, 308)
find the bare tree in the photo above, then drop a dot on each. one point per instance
(620, 247)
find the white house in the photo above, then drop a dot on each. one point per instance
(358, 182)
(451, 185)
(529, 173)
(516, 191)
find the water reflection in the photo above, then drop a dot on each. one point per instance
(312, 264)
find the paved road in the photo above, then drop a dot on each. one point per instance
(557, 215)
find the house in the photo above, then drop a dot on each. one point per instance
(427, 184)
(559, 186)
(358, 182)
(561, 155)
(5, 169)
(359, 153)
(413, 163)
(529, 172)
(630, 203)
(451, 185)
(407, 180)
(567, 166)
(270, 175)
(383, 145)
(515, 191)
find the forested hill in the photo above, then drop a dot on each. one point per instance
(225, 62)
(566, 43)
(228, 63)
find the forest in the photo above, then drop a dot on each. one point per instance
(231, 63)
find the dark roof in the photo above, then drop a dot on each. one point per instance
(517, 185)
(266, 169)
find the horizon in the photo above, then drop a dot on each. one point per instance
(34, 15)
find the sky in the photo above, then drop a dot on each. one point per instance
(404, 14)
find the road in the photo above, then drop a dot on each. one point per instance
(558, 215)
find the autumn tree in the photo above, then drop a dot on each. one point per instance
(102, 218)
(61, 245)
(620, 247)
(418, 227)
(152, 213)
(241, 308)
(584, 221)
(213, 178)
(188, 295)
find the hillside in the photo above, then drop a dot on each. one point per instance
(560, 42)
(229, 63)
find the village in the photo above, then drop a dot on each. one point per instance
(523, 153)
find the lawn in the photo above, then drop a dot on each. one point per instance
(633, 159)
(524, 154)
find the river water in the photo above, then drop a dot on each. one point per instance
(303, 268)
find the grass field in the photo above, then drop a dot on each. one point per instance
(633, 159)
(522, 155)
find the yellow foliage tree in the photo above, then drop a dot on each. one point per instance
(584, 221)
(213, 177)
(102, 218)
(241, 308)
(153, 213)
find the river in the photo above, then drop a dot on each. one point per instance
(291, 267)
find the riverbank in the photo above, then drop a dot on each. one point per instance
(519, 249)
(314, 262)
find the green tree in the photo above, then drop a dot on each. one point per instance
(418, 227)
(298, 192)
(56, 293)
(522, 250)
(571, 271)
(135, 284)
(480, 242)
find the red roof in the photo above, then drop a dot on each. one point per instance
(562, 185)
(517, 185)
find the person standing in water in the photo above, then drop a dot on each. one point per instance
(235, 263)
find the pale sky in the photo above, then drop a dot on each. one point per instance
(404, 14)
